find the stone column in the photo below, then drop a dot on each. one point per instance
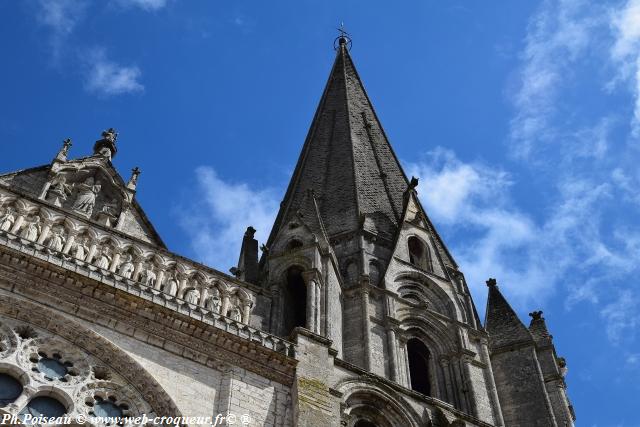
(404, 357)
(45, 232)
(312, 280)
(276, 303)
(444, 364)
(225, 303)
(115, 261)
(393, 353)
(92, 252)
(18, 223)
(491, 384)
(182, 285)
(366, 326)
(70, 238)
(139, 263)
(159, 279)
(246, 307)
(471, 393)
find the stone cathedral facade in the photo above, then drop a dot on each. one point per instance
(354, 315)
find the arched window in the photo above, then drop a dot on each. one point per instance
(43, 406)
(10, 389)
(364, 423)
(419, 366)
(295, 300)
(419, 253)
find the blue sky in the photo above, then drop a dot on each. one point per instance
(521, 118)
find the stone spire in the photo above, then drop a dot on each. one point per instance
(501, 322)
(347, 161)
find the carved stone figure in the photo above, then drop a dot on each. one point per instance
(110, 209)
(59, 190)
(80, 249)
(7, 220)
(214, 302)
(32, 230)
(235, 314)
(171, 285)
(87, 194)
(147, 276)
(126, 268)
(133, 181)
(192, 296)
(104, 260)
(57, 240)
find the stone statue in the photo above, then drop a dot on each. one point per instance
(133, 181)
(59, 190)
(110, 209)
(32, 230)
(235, 314)
(57, 240)
(171, 286)
(147, 276)
(214, 303)
(126, 268)
(62, 154)
(104, 260)
(7, 220)
(80, 249)
(192, 296)
(110, 135)
(87, 194)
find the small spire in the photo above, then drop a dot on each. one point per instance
(501, 321)
(64, 150)
(133, 181)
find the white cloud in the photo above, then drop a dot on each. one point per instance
(626, 53)
(61, 17)
(531, 258)
(219, 214)
(148, 5)
(106, 77)
(621, 316)
(557, 36)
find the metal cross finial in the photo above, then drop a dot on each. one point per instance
(341, 29)
(343, 39)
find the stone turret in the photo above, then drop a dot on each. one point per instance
(518, 376)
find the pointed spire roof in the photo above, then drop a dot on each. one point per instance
(501, 322)
(347, 161)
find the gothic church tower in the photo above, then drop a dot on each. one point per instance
(354, 258)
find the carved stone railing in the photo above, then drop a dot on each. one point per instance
(132, 266)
